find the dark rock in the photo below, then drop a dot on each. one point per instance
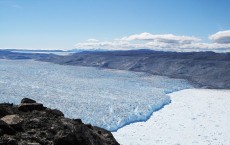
(55, 112)
(99, 132)
(6, 104)
(4, 111)
(12, 142)
(1, 132)
(23, 143)
(31, 132)
(78, 120)
(42, 126)
(3, 142)
(6, 128)
(14, 121)
(67, 138)
(27, 100)
(30, 107)
(89, 126)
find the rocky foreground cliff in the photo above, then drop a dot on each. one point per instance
(30, 123)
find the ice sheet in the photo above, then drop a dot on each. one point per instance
(102, 97)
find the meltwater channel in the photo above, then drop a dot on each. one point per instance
(103, 97)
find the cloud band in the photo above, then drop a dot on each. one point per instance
(165, 42)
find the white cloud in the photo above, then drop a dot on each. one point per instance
(113, 45)
(221, 37)
(165, 42)
(167, 38)
(92, 40)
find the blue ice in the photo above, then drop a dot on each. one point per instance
(103, 97)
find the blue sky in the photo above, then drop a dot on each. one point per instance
(68, 24)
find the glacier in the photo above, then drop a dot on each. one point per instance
(106, 98)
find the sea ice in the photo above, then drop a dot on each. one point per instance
(103, 97)
(195, 116)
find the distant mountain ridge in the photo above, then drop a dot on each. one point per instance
(203, 69)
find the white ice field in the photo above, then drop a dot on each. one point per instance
(106, 98)
(194, 117)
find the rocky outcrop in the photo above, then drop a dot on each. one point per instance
(30, 123)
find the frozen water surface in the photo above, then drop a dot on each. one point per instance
(106, 98)
(195, 117)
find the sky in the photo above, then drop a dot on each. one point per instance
(174, 25)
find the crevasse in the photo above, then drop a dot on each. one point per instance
(106, 98)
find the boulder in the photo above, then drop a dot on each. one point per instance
(27, 100)
(30, 107)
